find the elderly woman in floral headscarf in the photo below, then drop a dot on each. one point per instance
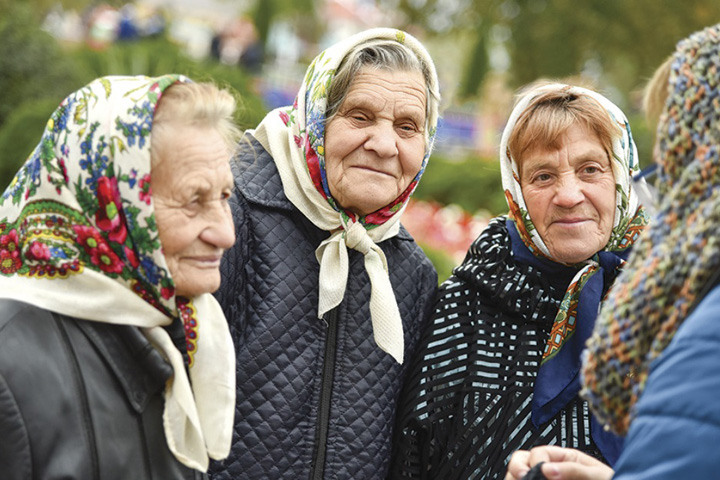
(115, 360)
(325, 292)
(651, 369)
(498, 368)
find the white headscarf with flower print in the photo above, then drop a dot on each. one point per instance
(78, 237)
(624, 164)
(294, 137)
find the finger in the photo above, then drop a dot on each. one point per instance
(571, 470)
(518, 465)
(546, 453)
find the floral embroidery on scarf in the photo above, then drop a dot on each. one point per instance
(83, 217)
(188, 314)
(565, 322)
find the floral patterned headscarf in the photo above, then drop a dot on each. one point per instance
(78, 237)
(295, 138)
(558, 377)
(672, 264)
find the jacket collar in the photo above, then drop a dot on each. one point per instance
(138, 366)
(521, 290)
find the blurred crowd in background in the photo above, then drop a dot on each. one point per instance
(484, 51)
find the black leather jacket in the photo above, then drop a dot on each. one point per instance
(80, 400)
(316, 397)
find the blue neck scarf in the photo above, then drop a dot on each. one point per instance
(558, 380)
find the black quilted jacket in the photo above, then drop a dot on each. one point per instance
(316, 397)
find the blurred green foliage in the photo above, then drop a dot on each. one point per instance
(36, 74)
(303, 12)
(477, 66)
(32, 65)
(617, 42)
(472, 183)
(158, 56)
(21, 133)
(442, 262)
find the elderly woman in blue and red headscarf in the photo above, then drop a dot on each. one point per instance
(498, 368)
(651, 368)
(115, 360)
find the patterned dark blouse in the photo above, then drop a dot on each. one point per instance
(466, 406)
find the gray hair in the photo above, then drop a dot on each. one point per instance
(380, 54)
(201, 104)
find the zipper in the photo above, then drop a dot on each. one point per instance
(317, 469)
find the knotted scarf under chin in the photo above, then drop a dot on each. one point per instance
(333, 257)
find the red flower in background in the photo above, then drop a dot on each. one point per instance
(109, 217)
(448, 229)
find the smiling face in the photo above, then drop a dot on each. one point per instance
(374, 146)
(570, 195)
(191, 185)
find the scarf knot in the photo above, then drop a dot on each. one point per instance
(356, 237)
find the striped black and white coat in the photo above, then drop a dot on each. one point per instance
(466, 403)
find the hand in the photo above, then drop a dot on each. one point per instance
(560, 464)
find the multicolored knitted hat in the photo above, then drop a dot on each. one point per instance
(675, 257)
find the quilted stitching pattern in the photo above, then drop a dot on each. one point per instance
(269, 293)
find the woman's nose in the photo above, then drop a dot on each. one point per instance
(569, 192)
(220, 230)
(382, 140)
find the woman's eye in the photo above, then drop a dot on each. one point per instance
(542, 177)
(194, 202)
(358, 116)
(591, 170)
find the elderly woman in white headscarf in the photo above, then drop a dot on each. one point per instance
(115, 360)
(325, 291)
(498, 368)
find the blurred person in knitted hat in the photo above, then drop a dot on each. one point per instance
(326, 293)
(115, 360)
(651, 367)
(498, 368)
(654, 96)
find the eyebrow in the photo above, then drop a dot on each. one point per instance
(416, 113)
(593, 154)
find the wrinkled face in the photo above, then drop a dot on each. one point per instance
(191, 185)
(375, 144)
(570, 195)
